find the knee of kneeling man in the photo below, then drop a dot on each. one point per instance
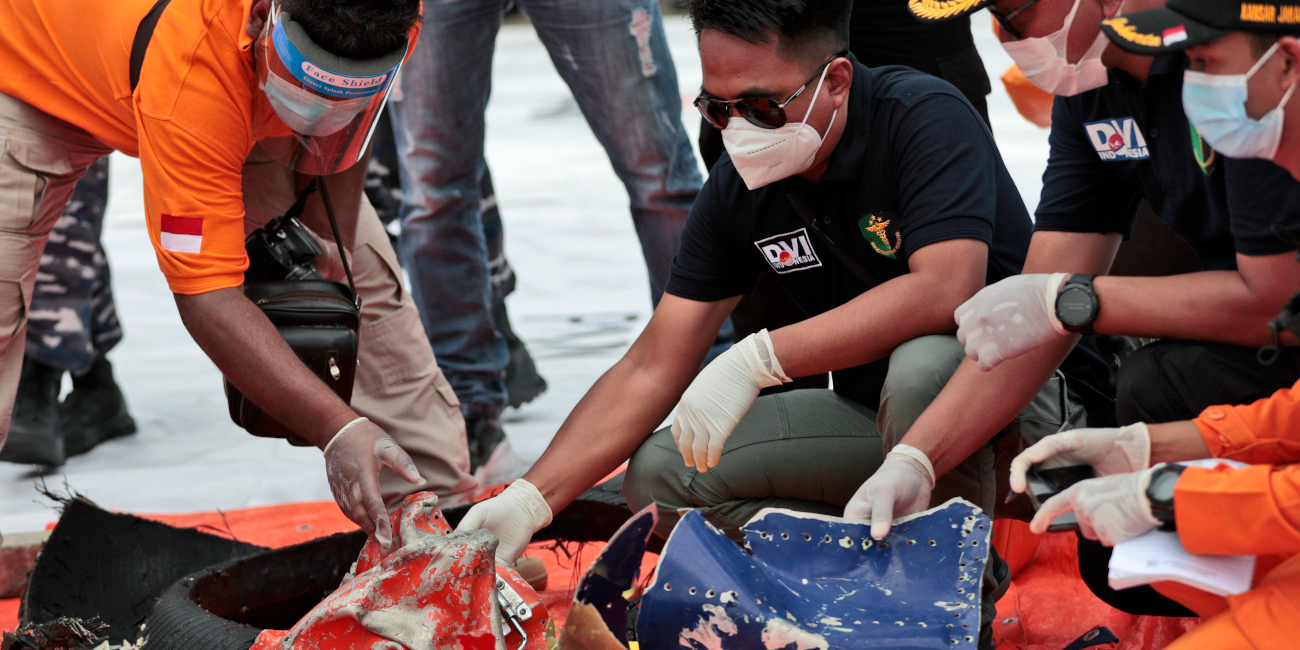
(924, 364)
(648, 474)
(918, 371)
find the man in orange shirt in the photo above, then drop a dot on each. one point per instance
(232, 107)
(1222, 511)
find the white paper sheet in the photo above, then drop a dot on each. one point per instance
(1159, 555)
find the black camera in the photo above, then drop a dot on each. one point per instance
(283, 248)
(319, 319)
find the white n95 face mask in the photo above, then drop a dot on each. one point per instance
(1216, 105)
(1043, 61)
(764, 156)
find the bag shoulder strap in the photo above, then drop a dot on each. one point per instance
(143, 34)
(338, 239)
(805, 212)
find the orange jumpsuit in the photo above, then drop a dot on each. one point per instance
(1250, 511)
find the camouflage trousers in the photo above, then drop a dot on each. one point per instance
(73, 320)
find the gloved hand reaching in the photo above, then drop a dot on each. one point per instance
(1009, 318)
(1111, 509)
(513, 516)
(353, 459)
(721, 394)
(900, 487)
(1108, 451)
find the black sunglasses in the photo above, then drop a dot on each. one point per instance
(1004, 20)
(759, 111)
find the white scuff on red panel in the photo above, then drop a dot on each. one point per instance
(181, 234)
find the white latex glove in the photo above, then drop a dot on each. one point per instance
(721, 394)
(513, 516)
(1109, 451)
(899, 488)
(1111, 509)
(353, 458)
(1009, 318)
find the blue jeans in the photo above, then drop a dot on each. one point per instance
(614, 56)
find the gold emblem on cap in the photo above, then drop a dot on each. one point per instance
(940, 9)
(1130, 33)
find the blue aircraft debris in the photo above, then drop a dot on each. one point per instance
(809, 582)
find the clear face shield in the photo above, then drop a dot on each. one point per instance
(324, 106)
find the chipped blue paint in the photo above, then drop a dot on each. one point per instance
(820, 582)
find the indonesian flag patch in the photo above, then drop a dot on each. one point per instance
(1174, 35)
(182, 234)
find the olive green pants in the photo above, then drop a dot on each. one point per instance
(810, 450)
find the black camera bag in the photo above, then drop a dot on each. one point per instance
(321, 322)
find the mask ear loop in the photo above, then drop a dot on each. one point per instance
(1101, 39)
(1262, 60)
(817, 92)
(1286, 96)
(1069, 18)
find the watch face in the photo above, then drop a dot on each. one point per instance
(1162, 486)
(1074, 307)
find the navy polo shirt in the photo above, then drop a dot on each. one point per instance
(1127, 141)
(915, 166)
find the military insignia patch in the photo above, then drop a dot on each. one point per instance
(1206, 157)
(876, 231)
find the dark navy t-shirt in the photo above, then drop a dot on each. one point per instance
(1127, 141)
(915, 166)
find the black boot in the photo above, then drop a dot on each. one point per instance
(523, 383)
(94, 411)
(34, 436)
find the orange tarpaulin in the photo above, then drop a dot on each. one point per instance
(293, 523)
(1046, 607)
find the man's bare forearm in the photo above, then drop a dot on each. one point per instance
(604, 429)
(249, 351)
(1231, 307)
(871, 325)
(975, 405)
(1177, 441)
(625, 405)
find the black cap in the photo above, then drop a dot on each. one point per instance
(1184, 23)
(939, 10)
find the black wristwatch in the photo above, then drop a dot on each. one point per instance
(1160, 493)
(1076, 303)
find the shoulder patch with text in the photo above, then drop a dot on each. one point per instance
(789, 252)
(1117, 139)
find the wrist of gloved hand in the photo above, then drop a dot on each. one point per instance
(720, 395)
(900, 487)
(1107, 451)
(916, 457)
(1110, 509)
(513, 516)
(1053, 290)
(353, 460)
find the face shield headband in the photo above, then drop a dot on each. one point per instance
(323, 107)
